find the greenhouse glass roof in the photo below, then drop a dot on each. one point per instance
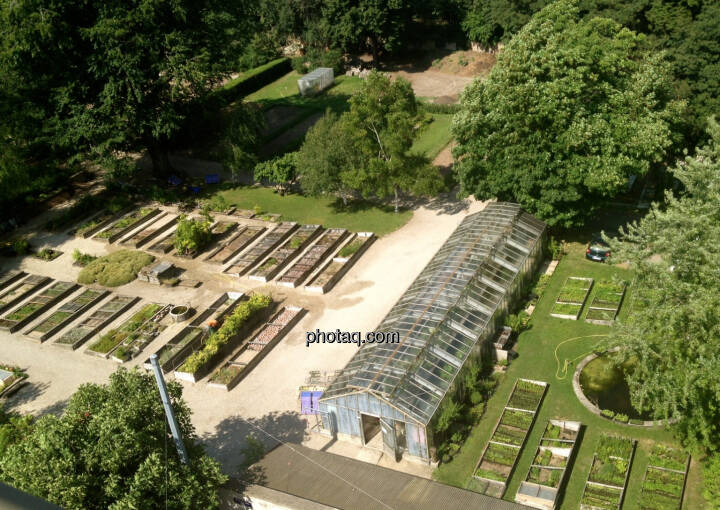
(443, 313)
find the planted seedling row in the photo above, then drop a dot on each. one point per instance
(606, 303)
(606, 482)
(262, 248)
(302, 268)
(18, 292)
(67, 313)
(549, 468)
(36, 305)
(498, 460)
(150, 233)
(127, 223)
(664, 481)
(348, 255)
(281, 256)
(97, 320)
(139, 323)
(572, 297)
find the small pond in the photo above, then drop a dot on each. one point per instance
(603, 383)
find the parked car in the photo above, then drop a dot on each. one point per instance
(598, 250)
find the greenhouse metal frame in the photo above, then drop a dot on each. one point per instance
(316, 81)
(448, 314)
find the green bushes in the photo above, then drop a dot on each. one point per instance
(443, 109)
(254, 79)
(192, 234)
(115, 269)
(711, 486)
(232, 325)
(82, 259)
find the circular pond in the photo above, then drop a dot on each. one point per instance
(603, 383)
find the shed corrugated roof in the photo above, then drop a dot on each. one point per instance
(346, 483)
(444, 312)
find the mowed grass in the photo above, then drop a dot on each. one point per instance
(435, 136)
(537, 360)
(362, 217)
(284, 90)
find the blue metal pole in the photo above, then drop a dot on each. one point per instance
(169, 410)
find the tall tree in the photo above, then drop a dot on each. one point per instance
(673, 332)
(571, 109)
(109, 76)
(108, 451)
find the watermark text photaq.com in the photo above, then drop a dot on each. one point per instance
(351, 337)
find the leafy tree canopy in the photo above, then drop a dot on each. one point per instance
(673, 331)
(571, 109)
(108, 451)
(280, 171)
(99, 77)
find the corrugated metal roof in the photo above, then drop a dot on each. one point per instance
(349, 484)
(444, 312)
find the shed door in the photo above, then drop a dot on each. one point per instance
(388, 435)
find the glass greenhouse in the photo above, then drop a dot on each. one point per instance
(316, 81)
(387, 394)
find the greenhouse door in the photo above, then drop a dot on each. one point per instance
(388, 436)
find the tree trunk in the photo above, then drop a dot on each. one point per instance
(160, 156)
(375, 52)
(397, 200)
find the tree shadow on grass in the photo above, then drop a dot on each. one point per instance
(228, 441)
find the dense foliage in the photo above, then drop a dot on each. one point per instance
(108, 448)
(711, 476)
(280, 171)
(568, 113)
(192, 234)
(115, 269)
(371, 143)
(674, 330)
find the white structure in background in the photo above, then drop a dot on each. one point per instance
(316, 81)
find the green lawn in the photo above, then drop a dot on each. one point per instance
(537, 360)
(435, 136)
(308, 210)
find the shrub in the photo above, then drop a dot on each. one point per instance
(254, 79)
(115, 269)
(21, 247)
(192, 234)
(623, 418)
(81, 258)
(607, 413)
(711, 482)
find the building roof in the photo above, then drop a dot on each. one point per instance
(341, 482)
(444, 312)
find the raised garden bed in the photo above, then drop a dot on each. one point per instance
(98, 222)
(302, 268)
(67, 313)
(153, 231)
(334, 270)
(664, 482)
(36, 305)
(237, 243)
(250, 354)
(498, 460)
(127, 223)
(47, 254)
(262, 248)
(11, 378)
(280, 257)
(572, 297)
(243, 319)
(10, 277)
(605, 486)
(140, 322)
(605, 303)
(141, 337)
(174, 352)
(18, 292)
(218, 232)
(100, 318)
(545, 477)
(164, 245)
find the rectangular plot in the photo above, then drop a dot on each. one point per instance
(100, 318)
(348, 255)
(131, 328)
(609, 471)
(66, 313)
(237, 243)
(20, 291)
(262, 248)
(302, 268)
(150, 233)
(281, 256)
(127, 223)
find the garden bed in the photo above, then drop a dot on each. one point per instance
(139, 324)
(498, 460)
(98, 222)
(605, 486)
(302, 268)
(262, 248)
(250, 354)
(572, 297)
(664, 482)
(11, 378)
(10, 277)
(18, 292)
(348, 255)
(164, 245)
(127, 223)
(67, 313)
(36, 305)
(100, 318)
(237, 325)
(281, 256)
(150, 233)
(548, 470)
(237, 243)
(174, 352)
(606, 303)
(47, 254)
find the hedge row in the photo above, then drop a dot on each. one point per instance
(254, 79)
(231, 326)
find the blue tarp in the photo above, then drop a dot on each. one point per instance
(212, 178)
